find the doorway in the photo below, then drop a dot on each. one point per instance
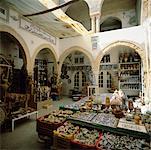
(79, 80)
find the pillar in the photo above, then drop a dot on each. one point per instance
(95, 72)
(93, 24)
(98, 23)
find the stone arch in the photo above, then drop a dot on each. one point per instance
(116, 20)
(72, 49)
(130, 44)
(138, 48)
(105, 18)
(39, 48)
(65, 8)
(73, 11)
(101, 4)
(15, 34)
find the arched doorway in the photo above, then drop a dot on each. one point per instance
(79, 80)
(15, 54)
(44, 70)
(76, 72)
(121, 67)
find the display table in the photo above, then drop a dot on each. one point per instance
(24, 116)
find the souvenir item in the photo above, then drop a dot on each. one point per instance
(107, 102)
(105, 119)
(57, 116)
(66, 130)
(117, 142)
(86, 136)
(86, 116)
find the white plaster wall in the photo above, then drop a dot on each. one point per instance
(124, 16)
(32, 41)
(135, 34)
(81, 41)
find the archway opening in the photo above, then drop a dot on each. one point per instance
(81, 16)
(14, 53)
(121, 69)
(45, 68)
(76, 73)
(110, 23)
(129, 12)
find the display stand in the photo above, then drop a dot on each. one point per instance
(24, 116)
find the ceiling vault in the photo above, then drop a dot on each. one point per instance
(52, 9)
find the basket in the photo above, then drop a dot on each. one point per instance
(78, 146)
(46, 127)
(68, 137)
(61, 143)
(98, 146)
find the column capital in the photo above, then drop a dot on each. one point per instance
(95, 14)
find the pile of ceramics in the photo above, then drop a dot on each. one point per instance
(86, 137)
(66, 130)
(57, 116)
(86, 116)
(54, 119)
(146, 119)
(100, 140)
(111, 142)
(105, 119)
(76, 105)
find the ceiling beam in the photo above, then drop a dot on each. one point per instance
(52, 9)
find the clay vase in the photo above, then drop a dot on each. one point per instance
(137, 119)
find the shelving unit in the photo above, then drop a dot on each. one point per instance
(41, 78)
(130, 78)
(108, 66)
(40, 71)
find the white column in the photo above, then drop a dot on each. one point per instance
(98, 23)
(93, 24)
(95, 72)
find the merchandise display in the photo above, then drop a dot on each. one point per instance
(76, 105)
(87, 128)
(57, 116)
(67, 130)
(86, 116)
(86, 137)
(110, 141)
(22, 111)
(105, 119)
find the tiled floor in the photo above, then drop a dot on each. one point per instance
(24, 137)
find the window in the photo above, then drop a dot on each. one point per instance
(76, 60)
(3, 11)
(82, 60)
(83, 79)
(79, 80)
(105, 59)
(108, 80)
(76, 80)
(79, 60)
(101, 79)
